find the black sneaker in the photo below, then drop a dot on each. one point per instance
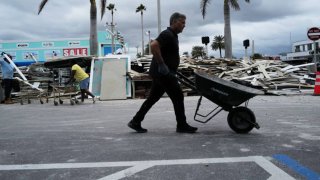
(186, 129)
(137, 127)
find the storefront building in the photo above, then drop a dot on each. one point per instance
(303, 51)
(26, 52)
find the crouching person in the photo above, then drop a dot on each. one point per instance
(79, 75)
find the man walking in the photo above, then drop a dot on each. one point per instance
(163, 68)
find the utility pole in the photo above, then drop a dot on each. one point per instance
(252, 48)
(112, 35)
(314, 35)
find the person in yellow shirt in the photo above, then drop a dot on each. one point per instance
(79, 75)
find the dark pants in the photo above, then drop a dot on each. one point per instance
(160, 85)
(7, 83)
(10, 84)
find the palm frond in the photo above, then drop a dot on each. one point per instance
(234, 4)
(42, 4)
(103, 7)
(203, 7)
(110, 7)
(141, 8)
(219, 38)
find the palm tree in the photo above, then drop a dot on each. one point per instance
(140, 9)
(218, 43)
(93, 22)
(111, 8)
(198, 51)
(227, 27)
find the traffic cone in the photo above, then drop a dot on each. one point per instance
(317, 85)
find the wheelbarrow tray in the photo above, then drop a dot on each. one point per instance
(224, 93)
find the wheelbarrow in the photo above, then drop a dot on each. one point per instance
(227, 96)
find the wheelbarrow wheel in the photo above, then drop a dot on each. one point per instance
(241, 120)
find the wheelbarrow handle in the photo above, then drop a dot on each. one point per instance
(187, 82)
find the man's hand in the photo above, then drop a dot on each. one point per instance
(163, 69)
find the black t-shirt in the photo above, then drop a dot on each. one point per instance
(169, 47)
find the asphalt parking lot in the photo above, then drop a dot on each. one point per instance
(92, 141)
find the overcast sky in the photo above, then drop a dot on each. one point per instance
(272, 24)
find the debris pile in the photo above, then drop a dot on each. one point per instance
(272, 76)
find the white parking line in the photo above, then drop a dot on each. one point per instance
(138, 166)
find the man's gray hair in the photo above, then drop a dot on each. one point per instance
(176, 16)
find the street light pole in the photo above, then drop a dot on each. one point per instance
(112, 31)
(159, 16)
(315, 56)
(142, 53)
(148, 33)
(137, 49)
(112, 46)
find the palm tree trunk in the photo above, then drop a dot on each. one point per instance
(227, 30)
(93, 29)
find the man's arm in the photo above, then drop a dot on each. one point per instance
(71, 79)
(155, 49)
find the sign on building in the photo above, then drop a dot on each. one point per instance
(51, 54)
(47, 44)
(22, 45)
(29, 55)
(74, 43)
(75, 52)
